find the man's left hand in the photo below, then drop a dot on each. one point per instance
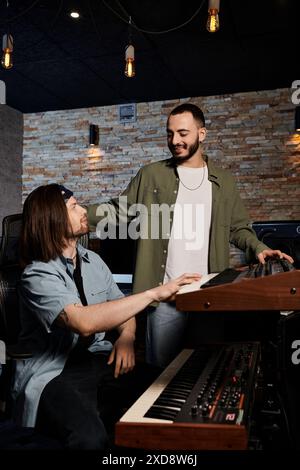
(273, 253)
(123, 355)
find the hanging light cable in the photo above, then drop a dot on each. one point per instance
(147, 31)
(129, 56)
(213, 24)
(7, 48)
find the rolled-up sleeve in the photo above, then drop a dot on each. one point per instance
(45, 293)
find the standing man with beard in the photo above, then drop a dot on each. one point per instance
(205, 215)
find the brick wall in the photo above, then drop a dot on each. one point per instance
(249, 133)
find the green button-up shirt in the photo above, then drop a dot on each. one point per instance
(158, 184)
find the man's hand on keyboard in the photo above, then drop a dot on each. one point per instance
(167, 291)
(273, 254)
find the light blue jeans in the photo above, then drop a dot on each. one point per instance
(165, 333)
(169, 330)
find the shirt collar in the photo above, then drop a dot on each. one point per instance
(213, 171)
(83, 254)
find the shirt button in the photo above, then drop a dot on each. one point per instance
(162, 265)
(155, 190)
(167, 234)
(175, 191)
(165, 251)
(160, 283)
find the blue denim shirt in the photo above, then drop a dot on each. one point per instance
(45, 289)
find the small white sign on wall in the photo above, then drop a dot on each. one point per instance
(2, 92)
(127, 112)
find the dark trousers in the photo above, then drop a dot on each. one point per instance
(81, 405)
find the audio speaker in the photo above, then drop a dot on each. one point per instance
(281, 235)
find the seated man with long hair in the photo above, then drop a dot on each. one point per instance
(68, 300)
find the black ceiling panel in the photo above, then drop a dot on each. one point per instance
(61, 63)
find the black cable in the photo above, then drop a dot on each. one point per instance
(285, 417)
(13, 18)
(154, 32)
(91, 13)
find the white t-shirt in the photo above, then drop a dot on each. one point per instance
(189, 239)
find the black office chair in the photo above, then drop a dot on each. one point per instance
(10, 273)
(9, 248)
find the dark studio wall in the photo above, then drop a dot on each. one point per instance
(11, 148)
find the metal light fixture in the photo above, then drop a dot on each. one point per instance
(94, 135)
(213, 24)
(7, 47)
(297, 119)
(129, 56)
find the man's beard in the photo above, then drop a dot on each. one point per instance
(192, 149)
(84, 229)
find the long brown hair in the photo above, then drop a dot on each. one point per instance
(45, 225)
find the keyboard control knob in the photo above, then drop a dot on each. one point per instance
(199, 399)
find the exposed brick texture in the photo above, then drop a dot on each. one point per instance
(252, 134)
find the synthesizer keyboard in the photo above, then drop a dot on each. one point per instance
(202, 400)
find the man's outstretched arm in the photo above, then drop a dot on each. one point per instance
(91, 319)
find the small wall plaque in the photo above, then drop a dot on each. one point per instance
(127, 112)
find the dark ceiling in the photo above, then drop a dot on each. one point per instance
(62, 63)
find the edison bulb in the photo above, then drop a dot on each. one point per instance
(130, 64)
(213, 24)
(6, 61)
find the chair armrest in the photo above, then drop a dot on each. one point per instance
(17, 351)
